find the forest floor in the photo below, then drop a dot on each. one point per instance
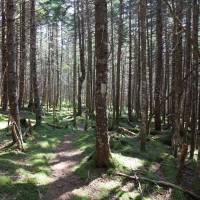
(56, 164)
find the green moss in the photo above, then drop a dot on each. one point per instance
(31, 169)
(5, 180)
(168, 167)
(80, 198)
(178, 195)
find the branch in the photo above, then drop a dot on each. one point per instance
(162, 183)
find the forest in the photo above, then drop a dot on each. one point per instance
(99, 99)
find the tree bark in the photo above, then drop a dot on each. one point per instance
(119, 53)
(12, 74)
(159, 65)
(33, 64)
(81, 34)
(103, 154)
(22, 52)
(4, 100)
(144, 98)
(130, 117)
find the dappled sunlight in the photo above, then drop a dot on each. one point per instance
(3, 125)
(29, 171)
(129, 162)
(97, 188)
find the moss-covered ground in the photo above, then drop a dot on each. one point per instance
(25, 175)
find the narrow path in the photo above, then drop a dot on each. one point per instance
(65, 184)
(64, 180)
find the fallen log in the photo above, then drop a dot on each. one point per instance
(125, 131)
(162, 183)
(55, 126)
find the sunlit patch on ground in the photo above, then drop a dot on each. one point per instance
(129, 162)
(3, 125)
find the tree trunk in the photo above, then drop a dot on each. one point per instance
(33, 64)
(4, 100)
(194, 76)
(119, 52)
(144, 98)
(81, 34)
(113, 67)
(130, 117)
(178, 76)
(12, 74)
(159, 65)
(75, 66)
(22, 53)
(101, 39)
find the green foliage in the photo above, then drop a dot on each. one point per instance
(80, 198)
(178, 195)
(52, 11)
(168, 167)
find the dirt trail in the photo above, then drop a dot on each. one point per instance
(64, 180)
(66, 185)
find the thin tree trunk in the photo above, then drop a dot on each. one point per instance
(119, 52)
(33, 64)
(22, 53)
(159, 63)
(4, 100)
(144, 99)
(130, 117)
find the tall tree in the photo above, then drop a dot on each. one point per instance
(178, 83)
(75, 65)
(119, 53)
(90, 55)
(101, 40)
(130, 64)
(33, 63)
(144, 98)
(159, 63)
(12, 73)
(22, 52)
(113, 64)
(4, 99)
(195, 72)
(81, 33)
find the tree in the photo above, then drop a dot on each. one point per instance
(22, 52)
(119, 53)
(102, 156)
(113, 65)
(75, 65)
(12, 74)
(194, 77)
(159, 63)
(144, 98)
(33, 64)
(130, 64)
(4, 100)
(89, 60)
(178, 87)
(81, 34)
